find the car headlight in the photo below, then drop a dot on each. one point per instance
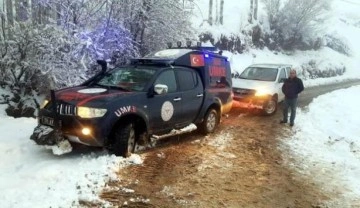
(262, 92)
(85, 112)
(45, 102)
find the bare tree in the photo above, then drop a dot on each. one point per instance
(256, 9)
(251, 11)
(272, 8)
(222, 12)
(9, 12)
(297, 21)
(216, 12)
(210, 19)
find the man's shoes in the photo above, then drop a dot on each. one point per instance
(282, 122)
(291, 124)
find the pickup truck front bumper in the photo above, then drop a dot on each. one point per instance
(84, 131)
(45, 135)
(251, 102)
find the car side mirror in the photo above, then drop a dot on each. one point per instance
(161, 89)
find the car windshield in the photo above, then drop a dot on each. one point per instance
(131, 79)
(259, 73)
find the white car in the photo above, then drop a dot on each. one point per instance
(259, 87)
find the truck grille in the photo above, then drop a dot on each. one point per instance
(243, 92)
(66, 109)
(63, 108)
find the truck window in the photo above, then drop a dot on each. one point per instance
(282, 74)
(288, 71)
(187, 79)
(167, 78)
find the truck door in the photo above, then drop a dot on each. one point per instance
(280, 83)
(192, 91)
(165, 109)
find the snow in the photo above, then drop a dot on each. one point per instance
(31, 176)
(343, 21)
(326, 143)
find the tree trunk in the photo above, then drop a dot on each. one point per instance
(222, 12)
(216, 12)
(58, 13)
(251, 11)
(256, 9)
(9, 12)
(2, 26)
(210, 19)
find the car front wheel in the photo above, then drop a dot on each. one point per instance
(270, 107)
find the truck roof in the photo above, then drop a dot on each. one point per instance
(265, 65)
(190, 57)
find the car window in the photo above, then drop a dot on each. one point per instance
(132, 79)
(282, 74)
(167, 78)
(259, 73)
(187, 79)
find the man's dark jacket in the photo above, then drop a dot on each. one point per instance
(292, 87)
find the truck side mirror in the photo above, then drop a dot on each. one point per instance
(161, 89)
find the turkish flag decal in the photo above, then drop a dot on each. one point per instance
(197, 60)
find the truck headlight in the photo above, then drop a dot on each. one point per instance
(85, 112)
(262, 92)
(45, 102)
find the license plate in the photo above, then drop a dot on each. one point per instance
(47, 121)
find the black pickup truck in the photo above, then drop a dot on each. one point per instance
(166, 93)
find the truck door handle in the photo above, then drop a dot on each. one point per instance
(200, 95)
(177, 99)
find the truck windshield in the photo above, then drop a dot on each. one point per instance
(257, 73)
(130, 79)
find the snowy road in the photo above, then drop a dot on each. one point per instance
(241, 165)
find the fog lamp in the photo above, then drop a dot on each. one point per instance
(86, 131)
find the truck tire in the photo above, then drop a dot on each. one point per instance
(270, 107)
(211, 120)
(125, 140)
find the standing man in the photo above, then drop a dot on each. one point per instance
(291, 88)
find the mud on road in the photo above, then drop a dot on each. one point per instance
(238, 166)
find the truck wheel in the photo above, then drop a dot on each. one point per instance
(270, 107)
(210, 122)
(125, 140)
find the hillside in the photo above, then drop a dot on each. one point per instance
(342, 22)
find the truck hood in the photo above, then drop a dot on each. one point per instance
(83, 95)
(252, 84)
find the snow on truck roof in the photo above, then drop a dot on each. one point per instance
(192, 57)
(270, 65)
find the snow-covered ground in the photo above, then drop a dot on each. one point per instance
(326, 144)
(31, 176)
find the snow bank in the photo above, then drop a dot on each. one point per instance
(32, 176)
(326, 145)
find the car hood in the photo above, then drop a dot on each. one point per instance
(83, 95)
(251, 84)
